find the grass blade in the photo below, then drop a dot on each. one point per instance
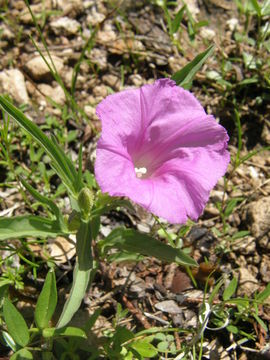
(184, 76)
(61, 162)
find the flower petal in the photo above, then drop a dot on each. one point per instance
(162, 129)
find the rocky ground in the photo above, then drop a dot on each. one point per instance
(132, 47)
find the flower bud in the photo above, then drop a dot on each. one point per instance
(86, 200)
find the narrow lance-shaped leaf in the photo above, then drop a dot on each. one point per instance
(184, 76)
(79, 286)
(264, 294)
(133, 241)
(28, 225)
(16, 324)
(41, 198)
(83, 274)
(60, 162)
(177, 20)
(230, 289)
(46, 302)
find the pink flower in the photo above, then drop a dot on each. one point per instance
(159, 148)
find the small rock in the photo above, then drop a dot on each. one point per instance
(169, 306)
(207, 33)
(211, 210)
(266, 134)
(25, 16)
(94, 17)
(253, 172)
(71, 8)
(120, 46)
(6, 33)
(38, 69)
(90, 111)
(215, 351)
(112, 81)
(232, 24)
(264, 242)
(138, 287)
(193, 8)
(265, 268)
(100, 90)
(217, 195)
(65, 26)
(12, 82)
(55, 93)
(106, 36)
(258, 216)
(248, 284)
(136, 79)
(186, 319)
(67, 78)
(99, 57)
(245, 246)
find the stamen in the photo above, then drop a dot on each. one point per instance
(140, 172)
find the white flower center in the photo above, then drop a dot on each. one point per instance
(140, 172)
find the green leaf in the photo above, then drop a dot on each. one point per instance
(16, 324)
(252, 153)
(121, 335)
(79, 180)
(83, 274)
(230, 289)
(22, 354)
(125, 256)
(233, 329)
(184, 76)
(256, 7)
(175, 24)
(47, 301)
(265, 10)
(64, 331)
(240, 234)
(60, 162)
(133, 241)
(264, 294)
(260, 321)
(163, 346)
(231, 205)
(43, 199)
(239, 131)
(28, 225)
(215, 291)
(144, 348)
(78, 290)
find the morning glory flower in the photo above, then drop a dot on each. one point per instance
(160, 149)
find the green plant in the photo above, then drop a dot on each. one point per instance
(87, 206)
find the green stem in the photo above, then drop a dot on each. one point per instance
(169, 238)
